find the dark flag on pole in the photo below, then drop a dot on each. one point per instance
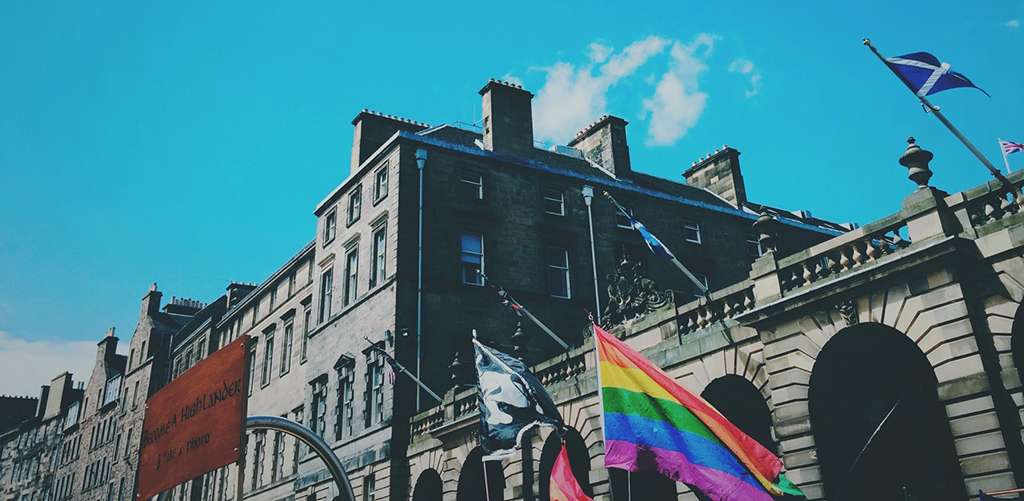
(512, 401)
(925, 75)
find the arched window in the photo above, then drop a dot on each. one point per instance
(870, 382)
(471, 479)
(579, 461)
(428, 487)
(744, 406)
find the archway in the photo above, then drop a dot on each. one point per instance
(471, 479)
(428, 486)
(744, 406)
(643, 485)
(872, 380)
(579, 461)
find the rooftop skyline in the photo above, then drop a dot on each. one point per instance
(188, 144)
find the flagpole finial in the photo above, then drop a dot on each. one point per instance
(867, 42)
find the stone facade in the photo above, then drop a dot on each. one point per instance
(908, 329)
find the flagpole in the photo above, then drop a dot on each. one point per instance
(935, 111)
(675, 260)
(1001, 150)
(396, 364)
(529, 315)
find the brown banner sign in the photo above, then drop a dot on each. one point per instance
(194, 424)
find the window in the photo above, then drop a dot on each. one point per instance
(291, 284)
(326, 286)
(351, 276)
(135, 396)
(128, 444)
(374, 409)
(355, 204)
(258, 455)
(268, 359)
(277, 459)
(307, 327)
(113, 390)
(554, 202)
(330, 225)
(691, 231)
(297, 417)
(378, 265)
(318, 407)
(251, 376)
(558, 272)
(369, 488)
(286, 348)
(380, 184)
(622, 219)
(472, 258)
(309, 272)
(754, 246)
(201, 349)
(471, 186)
(702, 278)
(273, 298)
(343, 411)
(255, 310)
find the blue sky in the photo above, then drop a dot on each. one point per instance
(187, 144)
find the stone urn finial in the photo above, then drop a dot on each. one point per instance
(916, 160)
(519, 341)
(766, 227)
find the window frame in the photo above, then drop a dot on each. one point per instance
(547, 196)
(478, 279)
(693, 226)
(355, 205)
(466, 181)
(627, 215)
(703, 278)
(286, 347)
(753, 242)
(326, 294)
(380, 190)
(268, 360)
(330, 226)
(350, 290)
(564, 271)
(378, 261)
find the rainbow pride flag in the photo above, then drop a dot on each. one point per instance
(651, 423)
(564, 486)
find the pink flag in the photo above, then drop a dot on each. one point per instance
(564, 486)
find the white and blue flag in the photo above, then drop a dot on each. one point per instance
(925, 75)
(652, 241)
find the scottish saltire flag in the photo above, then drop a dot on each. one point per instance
(651, 423)
(564, 486)
(652, 241)
(925, 75)
(1010, 147)
(512, 401)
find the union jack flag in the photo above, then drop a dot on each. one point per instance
(1010, 147)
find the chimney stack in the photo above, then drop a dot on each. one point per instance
(151, 302)
(720, 173)
(373, 129)
(604, 143)
(508, 118)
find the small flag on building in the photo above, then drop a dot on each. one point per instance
(925, 75)
(651, 423)
(512, 401)
(1010, 147)
(564, 486)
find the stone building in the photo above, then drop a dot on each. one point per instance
(32, 449)
(908, 330)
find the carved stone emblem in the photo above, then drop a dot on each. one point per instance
(849, 312)
(630, 295)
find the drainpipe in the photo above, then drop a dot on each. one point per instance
(421, 161)
(588, 196)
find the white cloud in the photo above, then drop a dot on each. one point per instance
(573, 96)
(26, 365)
(512, 79)
(677, 102)
(599, 53)
(745, 67)
(1013, 24)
